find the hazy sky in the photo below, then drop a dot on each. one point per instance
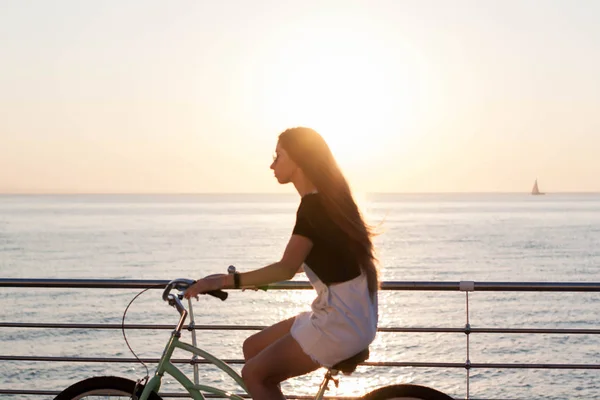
(189, 96)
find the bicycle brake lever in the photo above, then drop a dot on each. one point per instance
(219, 294)
(182, 284)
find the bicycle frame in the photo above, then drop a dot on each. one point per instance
(194, 388)
(165, 366)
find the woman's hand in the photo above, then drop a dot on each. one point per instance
(206, 284)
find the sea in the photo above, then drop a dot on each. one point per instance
(421, 237)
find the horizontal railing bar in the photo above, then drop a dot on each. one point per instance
(86, 283)
(125, 360)
(186, 395)
(561, 331)
(162, 394)
(180, 395)
(389, 285)
(128, 326)
(33, 392)
(122, 360)
(535, 330)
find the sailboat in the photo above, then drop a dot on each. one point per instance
(536, 191)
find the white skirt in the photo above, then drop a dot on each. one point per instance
(343, 320)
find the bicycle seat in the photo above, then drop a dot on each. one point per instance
(349, 365)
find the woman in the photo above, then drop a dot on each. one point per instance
(333, 244)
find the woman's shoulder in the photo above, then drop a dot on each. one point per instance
(311, 197)
(311, 201)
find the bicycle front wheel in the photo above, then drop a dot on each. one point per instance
(406, 392)
(103, 387)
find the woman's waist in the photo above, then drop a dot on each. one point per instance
(357, 282)
(349, 295)
(333, 275)
(358, 314)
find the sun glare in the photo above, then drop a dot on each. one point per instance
(346, 86)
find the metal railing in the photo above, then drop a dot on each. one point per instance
(462, 286)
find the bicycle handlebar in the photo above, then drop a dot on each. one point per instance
(182, 284)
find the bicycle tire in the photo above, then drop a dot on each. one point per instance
(405, 392)
(118, 387)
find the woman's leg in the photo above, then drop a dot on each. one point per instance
(279, 361)
(256, 343)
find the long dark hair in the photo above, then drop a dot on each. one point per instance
(311, 153)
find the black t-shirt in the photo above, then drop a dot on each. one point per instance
(329, 257)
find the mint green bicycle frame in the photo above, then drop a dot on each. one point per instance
(196, 389)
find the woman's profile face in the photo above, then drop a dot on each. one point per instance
(283, 167)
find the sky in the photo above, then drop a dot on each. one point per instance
(149, 96)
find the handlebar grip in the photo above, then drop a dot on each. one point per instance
(219, 294)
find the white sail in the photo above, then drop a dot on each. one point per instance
(535, 189)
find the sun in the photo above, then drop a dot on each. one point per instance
(345, 85)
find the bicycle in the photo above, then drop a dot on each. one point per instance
(118, 386)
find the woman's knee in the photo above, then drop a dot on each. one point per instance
(260, 340)
(252, 373)
(250, 347)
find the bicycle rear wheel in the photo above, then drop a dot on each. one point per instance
(406, 392)
(102, 387)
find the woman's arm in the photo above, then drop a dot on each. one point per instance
(294, 255)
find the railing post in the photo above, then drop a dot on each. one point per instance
(467, 286)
